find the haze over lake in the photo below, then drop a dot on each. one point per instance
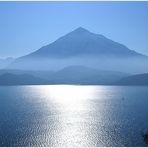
(73, 115)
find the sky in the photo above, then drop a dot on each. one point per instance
(27, 26)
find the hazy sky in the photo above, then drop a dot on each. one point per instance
(27, 26)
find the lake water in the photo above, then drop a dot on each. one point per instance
(68, 115)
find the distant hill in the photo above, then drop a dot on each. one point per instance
(68, 75)
(82, 47)
(37, 73)
(85, 75)
(23, 79)
(139, 79)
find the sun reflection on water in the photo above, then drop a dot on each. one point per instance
(73, 110)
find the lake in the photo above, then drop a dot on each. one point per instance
(73, 115)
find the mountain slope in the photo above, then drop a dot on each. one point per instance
(5, 62)
(139, 79)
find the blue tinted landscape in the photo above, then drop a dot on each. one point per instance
(78, 87)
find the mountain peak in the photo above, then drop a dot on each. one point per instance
(81, 30)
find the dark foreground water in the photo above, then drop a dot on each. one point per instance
(67, 115)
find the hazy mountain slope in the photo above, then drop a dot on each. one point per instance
(5, 62)
(139, 79)
(23, 79)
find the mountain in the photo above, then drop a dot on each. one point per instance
(5, 62)
(82, 42)
(23, 79)
(139, 79)
(82, 47)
